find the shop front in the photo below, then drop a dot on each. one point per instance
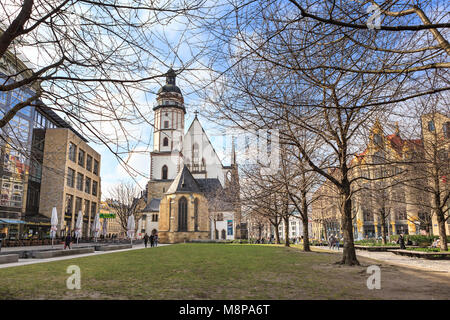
(10, 228)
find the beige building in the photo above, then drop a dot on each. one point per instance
(436, 137)
(108, 213)
(388, 190)
(70, 179)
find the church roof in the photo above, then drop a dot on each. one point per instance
(153, 205)
(184, 182)
(216, 195)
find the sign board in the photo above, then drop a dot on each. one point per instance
(230, 227)
(107, 215)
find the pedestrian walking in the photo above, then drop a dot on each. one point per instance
(67, 241)
(330, 241)
(156, 240)
(337, 242)
(401, 241)
(152, 241)
(146, 237)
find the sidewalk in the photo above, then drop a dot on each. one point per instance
(402, 261)
(23, 262)
(56, 246)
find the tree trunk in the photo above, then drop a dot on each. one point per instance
(305, 235)
(442, 233)
(383, 226)
(349, 255)
(277, 235)
(286, 231)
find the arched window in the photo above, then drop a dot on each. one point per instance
(224, 235)
(182, 214)
(195, 153)
(164, 172)
(196, 214)
(165, 142)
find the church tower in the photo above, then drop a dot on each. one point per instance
(166, 158)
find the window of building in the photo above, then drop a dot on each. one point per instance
(94, 188)
(72, 151)
(80, 179)
(166, 124)
(87, 206)
(69, 205)
(93, 209)
(446, 130)
(89, 163)
(95, 167)
(165, 142)
(81, 156)
(195, 156)
(164, 172)
(196, 214)
(78, 202)
(154, 218)
(70, 177)
(87, 185)
(220, 216)
(182, 214)
(224, 234)
(431, 125)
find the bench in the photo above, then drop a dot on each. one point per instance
(61, 253)
(113, 247)
(422, 254)
(9, 258)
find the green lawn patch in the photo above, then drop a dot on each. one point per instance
(198, 271)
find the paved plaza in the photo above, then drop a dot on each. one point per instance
(402, 261)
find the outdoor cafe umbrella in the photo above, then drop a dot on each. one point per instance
(104, 227)
(96, 226)
(54, 222)
(79, 225)
(130, 227)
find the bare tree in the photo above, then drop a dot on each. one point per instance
(93, 61)
(317, 67)
(124, 200)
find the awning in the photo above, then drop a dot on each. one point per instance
(11, 221)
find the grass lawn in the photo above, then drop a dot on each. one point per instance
(217, 271)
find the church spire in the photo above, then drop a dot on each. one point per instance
(171, 76)
(233, 152)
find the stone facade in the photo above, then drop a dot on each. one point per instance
(57, 191)
(169, 223)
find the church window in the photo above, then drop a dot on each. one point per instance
(446, 130)
(224, 235)
(164, 172)
(431, 125)
(165, 142)
(196, 214)
(195, 153)
(166, 124)
(182, 214)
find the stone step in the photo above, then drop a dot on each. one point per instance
(9, 258)
(113, 247)
(61, 253)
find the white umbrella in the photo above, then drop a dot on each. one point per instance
(96, 226)
(54, 222)
(130, 227)
(105, 227)
(79, 225)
